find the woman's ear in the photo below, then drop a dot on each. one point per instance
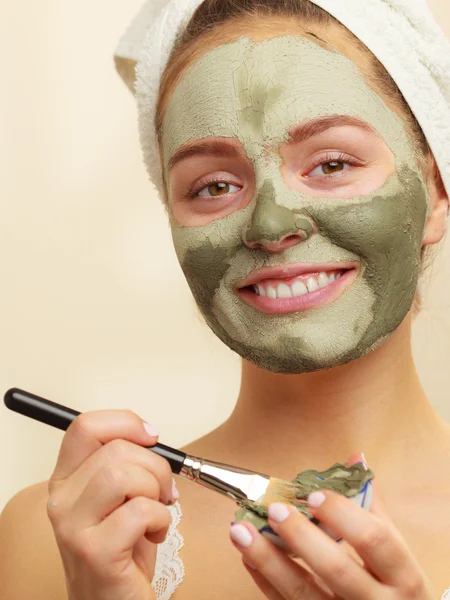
(439, 208)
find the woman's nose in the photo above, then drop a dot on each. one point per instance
(277, 246)
(275, 228)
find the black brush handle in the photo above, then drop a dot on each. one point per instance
(61, 417)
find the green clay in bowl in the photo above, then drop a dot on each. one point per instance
(353, 482)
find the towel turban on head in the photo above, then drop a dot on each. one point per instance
(402, 34)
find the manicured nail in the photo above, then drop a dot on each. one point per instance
(316, 499)
(175, 492)
(241, 535)
(151, 430)
(278, 512)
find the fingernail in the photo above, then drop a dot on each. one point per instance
(151, 430)
(364, 459)
(175, 492)
(278, 512)
(316, 499)
(241, 535)
(249, 564)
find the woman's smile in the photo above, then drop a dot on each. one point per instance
(296, 288)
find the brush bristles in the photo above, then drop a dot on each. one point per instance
(279, 490)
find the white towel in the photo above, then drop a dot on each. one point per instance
(402, 34)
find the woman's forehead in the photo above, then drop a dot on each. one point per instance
(258, 91)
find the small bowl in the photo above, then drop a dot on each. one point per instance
(363, 499)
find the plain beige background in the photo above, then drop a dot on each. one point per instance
(94, 309)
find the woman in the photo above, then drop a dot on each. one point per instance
(302, 194)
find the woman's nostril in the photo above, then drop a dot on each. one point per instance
(291, 238)
(277, 245)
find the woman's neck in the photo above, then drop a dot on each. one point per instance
(286, 423)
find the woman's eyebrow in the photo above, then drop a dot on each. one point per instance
(205, 148)
(298, 134)
(316, 126)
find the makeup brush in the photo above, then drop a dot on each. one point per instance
(234, 482)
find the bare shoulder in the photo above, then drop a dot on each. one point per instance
(30, 564)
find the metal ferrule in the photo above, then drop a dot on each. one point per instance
(238, 484)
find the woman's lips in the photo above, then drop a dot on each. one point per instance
(285, 290)
(293, 270)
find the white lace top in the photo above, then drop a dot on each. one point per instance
(169, 570)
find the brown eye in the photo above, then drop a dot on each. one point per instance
(219, 188)
(332, 167)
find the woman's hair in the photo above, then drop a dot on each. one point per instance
(206, 27)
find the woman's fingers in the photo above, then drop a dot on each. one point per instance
(288, 579)
(382, 565)
(109, 488)
(104, 506)
(89, 445)
(138, 517)
(90, 430)
(387, 561)
(376, 541)
(107, 549)
(144, 554)
(266, 588)
(112, 455)
(325, 557)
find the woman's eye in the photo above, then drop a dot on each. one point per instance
(329, 168)
(219, 188)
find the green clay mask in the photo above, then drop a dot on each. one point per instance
(255, 93)
(344, 480)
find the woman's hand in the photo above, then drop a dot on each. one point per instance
(105, 506)
(377, 566)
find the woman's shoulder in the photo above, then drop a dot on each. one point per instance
(27, 507)
(28, 549)
(36, 493)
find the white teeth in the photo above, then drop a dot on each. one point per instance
(283, 291)
(271, 293)
(312, 284)
(261, 290)
(299, 288)
(322, 280)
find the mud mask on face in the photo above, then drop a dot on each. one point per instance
(255, 93)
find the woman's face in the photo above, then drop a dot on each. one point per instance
(297, 206)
